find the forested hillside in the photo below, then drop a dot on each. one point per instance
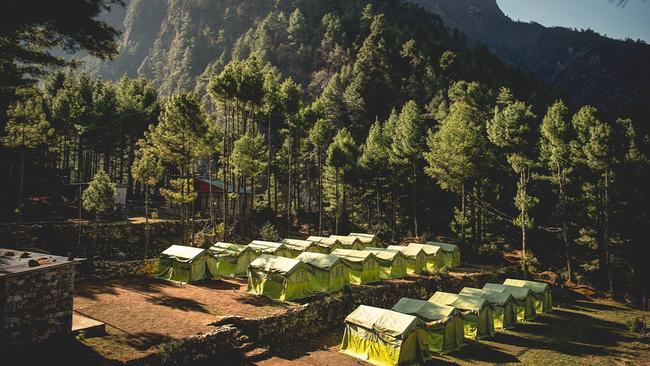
(593, 69)
(174, 43)
(344, 115)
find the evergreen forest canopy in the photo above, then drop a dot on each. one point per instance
(345, 116)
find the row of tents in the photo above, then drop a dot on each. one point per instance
(416, 330)
(189, 264)
(284, 278)
(297, 268)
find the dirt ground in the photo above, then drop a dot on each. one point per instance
(581, 331)
(142, 313)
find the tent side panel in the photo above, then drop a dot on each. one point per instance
(173, 270)
(197, 269)
(298, 285)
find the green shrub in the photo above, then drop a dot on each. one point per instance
(168, 352)
(635, 325)
(530, 263)
(269, 232)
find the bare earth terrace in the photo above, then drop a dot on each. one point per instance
(141, 313)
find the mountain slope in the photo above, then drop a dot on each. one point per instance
(174, 42)
(611, 74)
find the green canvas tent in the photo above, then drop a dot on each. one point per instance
(325, 243)
(523, 297)
(349, 242)
(228, 260)
(362, 265)
(416, 258)
(268, 247)
(434, 256)
(504, 308)
(182, 264)
(476, 311)
(304, 246)
(392, 263)
(443, 325)
(451, 253)
(541, 292)
(330, 273)
(280, 278)
(368, 240)
(382, 337)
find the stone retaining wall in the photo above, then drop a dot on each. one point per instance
(115, 240)
(107, 269)
(36, 306)
(285, 331)
(220, 345)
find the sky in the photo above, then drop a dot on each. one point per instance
(605, 17)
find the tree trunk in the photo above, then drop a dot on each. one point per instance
(415, 205)
(338, 204)
(19, 211)
(287, 199)
(210, 205)
(524, 237)
(224, 159)
(146, 221)
(608, 272)
(94, 250)
(393, 204)
(320, 194)
(462, 213)
(275, 193)
(479, 214)
(268, 165)
(563, 222)
(474, 217)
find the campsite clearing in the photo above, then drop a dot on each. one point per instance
(142, 313)
(579, 332)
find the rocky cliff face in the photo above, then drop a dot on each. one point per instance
(611, 74)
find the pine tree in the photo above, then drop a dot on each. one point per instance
(371, 71)
(176, 140)
(406, 150)
(148, 170)
(594, 149)
(509, 129)
(341, 158)
(27, 129)
(208, 147)
(555, 153)
(98, 198)
(249, 161)
(291, 97)
(138, 107)
(456, 155)
(297, 28)
(320, 137)
(373, 161)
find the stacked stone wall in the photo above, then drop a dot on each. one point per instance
(37, 305)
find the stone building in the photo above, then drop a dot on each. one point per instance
(36, 293)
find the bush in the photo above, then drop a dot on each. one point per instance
(530, 263)
(635, 325)
(268, 232)
(169, 352)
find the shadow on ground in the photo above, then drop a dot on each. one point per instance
(143, 340)
(179, 303)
